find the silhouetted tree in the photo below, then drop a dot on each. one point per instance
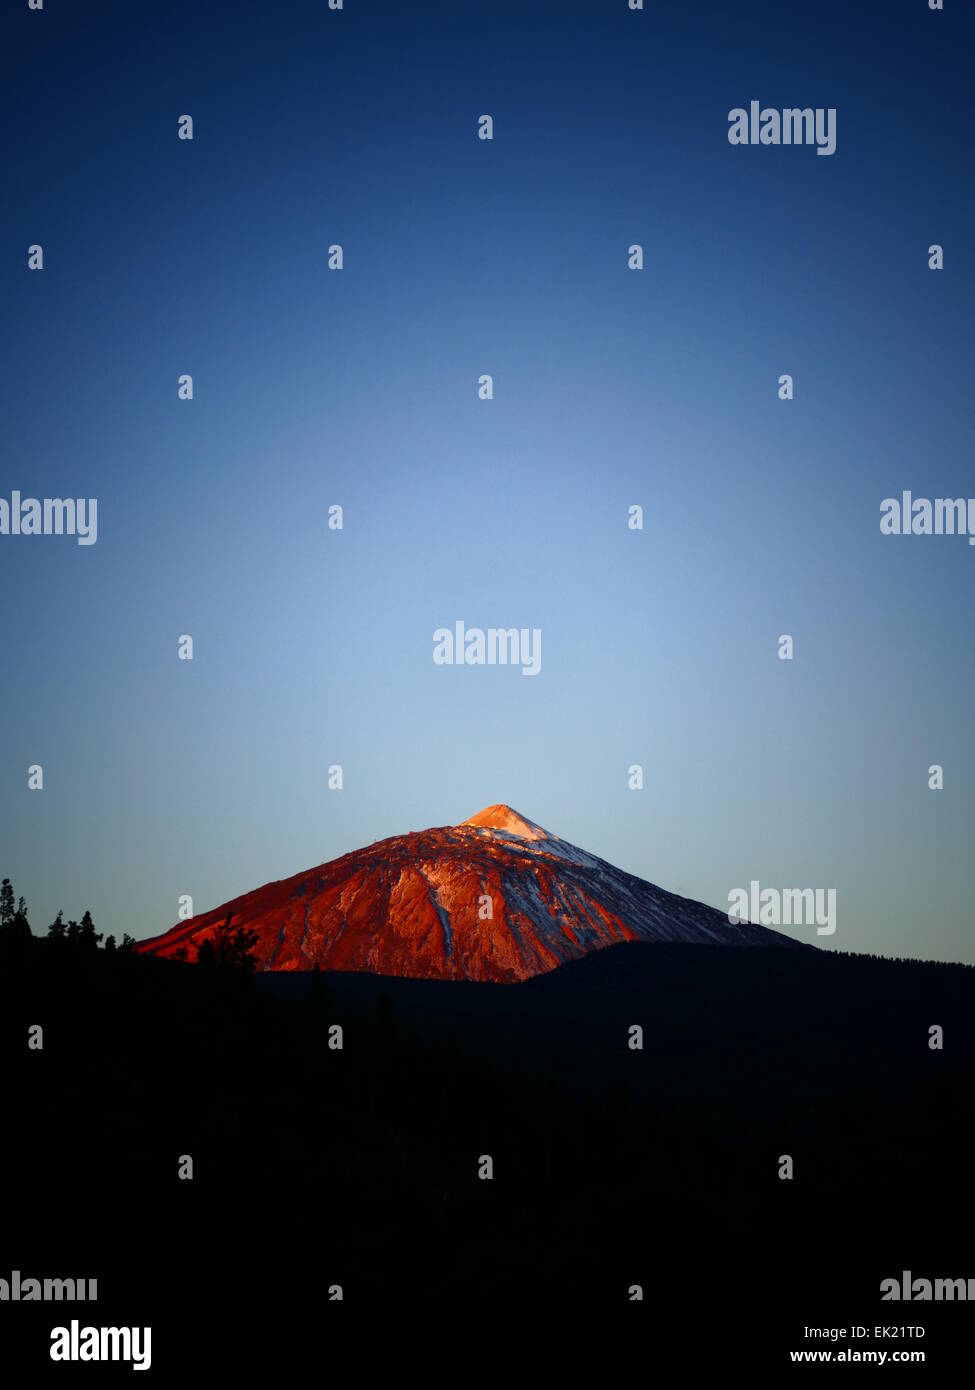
(13, 921)
(20, 925)
(229, 948)
(57, 930)
(88, 934)
(110, 944)
(82, 934)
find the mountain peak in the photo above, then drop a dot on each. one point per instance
(412, 905)
(502, 817)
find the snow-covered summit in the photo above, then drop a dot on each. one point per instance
(502, 817)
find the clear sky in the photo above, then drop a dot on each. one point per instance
(611, 387)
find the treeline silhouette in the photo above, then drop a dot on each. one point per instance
(15, 928)
(229, 948)
(336, 1124)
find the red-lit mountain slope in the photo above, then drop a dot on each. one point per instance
(495, 898)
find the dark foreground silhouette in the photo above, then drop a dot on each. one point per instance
(314, 1166)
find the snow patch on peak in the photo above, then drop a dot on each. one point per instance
(504, 818)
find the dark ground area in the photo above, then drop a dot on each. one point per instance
(612, 1167)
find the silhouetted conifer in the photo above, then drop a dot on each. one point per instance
(14, 926)
(230, 948)
(82, 934)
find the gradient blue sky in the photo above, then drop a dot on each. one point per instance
(611, 387)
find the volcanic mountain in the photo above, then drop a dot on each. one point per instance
(494, 898)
